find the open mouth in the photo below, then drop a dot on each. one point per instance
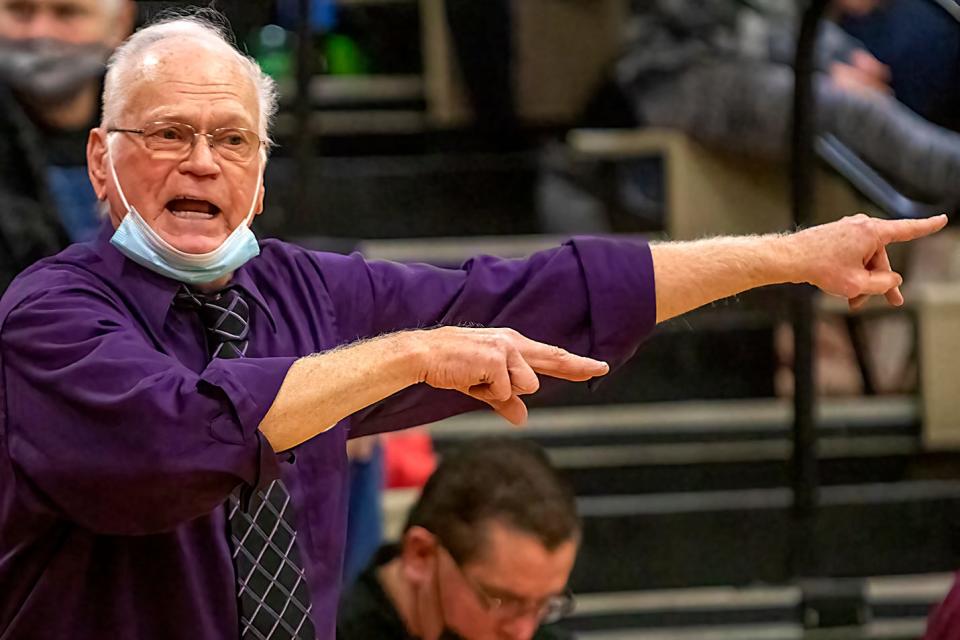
(192, 208)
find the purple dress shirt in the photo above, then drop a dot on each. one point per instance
(119, 441)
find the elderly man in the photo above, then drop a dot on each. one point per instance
(150, 373)
(486, 553)
(52, 55)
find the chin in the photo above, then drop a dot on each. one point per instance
(193, 235)
(193, 244)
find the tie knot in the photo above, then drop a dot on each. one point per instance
(225, 316)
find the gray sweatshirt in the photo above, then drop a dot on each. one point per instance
(667, 36)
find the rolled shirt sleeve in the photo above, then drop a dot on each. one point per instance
(135, 442)
(591, 296)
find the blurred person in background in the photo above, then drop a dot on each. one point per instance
(402, 459)
(919, 40)
(485, 555)
(721, 71)
(52, 57)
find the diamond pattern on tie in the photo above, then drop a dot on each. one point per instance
(272, 592)
(225, 316)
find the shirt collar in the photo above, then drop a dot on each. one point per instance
(152, 292)
(243, 280)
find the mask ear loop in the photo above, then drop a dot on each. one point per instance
(256, 190)
(113, 172)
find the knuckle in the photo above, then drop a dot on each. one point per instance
(486, 339)
(857, 219)
(492, 361)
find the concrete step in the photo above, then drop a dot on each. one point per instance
(890, 607)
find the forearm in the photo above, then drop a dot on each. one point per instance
(846, 258)
(691, 274)
(320, 390)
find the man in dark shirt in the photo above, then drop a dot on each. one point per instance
(486, 553)
(52, 55)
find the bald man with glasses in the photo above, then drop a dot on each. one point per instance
(176, 394)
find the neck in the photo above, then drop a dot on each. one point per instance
(403, 596)
(72, 114)
(215, 285)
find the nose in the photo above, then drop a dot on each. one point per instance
(522, 627)
(42, 24)
(201, 161)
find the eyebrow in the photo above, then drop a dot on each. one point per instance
(227, 120)
(498, 592)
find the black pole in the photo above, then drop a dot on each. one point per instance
(805, 477)
(305, 136)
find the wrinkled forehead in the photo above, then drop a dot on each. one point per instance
(187, 74)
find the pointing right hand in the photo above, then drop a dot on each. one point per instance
(497, 366)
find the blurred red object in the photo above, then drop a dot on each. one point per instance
(409, 458)
(944, 621)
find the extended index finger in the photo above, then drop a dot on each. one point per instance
(905, 230)
(558, 363)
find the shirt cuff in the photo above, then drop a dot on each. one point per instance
(251, 385)
(622, 295)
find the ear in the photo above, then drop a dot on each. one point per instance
(259, 208)
(97, 162)
(418, 553)
(121, 25)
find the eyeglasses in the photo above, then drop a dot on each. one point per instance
(176, 140)
(548, 610)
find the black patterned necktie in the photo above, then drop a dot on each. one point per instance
(225, 316)
(273, 596)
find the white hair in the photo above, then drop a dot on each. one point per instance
(206, 26)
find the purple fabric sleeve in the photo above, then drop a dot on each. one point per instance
(136, 443)
(590, 296)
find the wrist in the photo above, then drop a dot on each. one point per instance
(789, 263)
(412, 352)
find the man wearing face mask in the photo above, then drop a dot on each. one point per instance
(485, 555)
(52, 56)
(176, 396)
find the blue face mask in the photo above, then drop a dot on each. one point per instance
(135, 239)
